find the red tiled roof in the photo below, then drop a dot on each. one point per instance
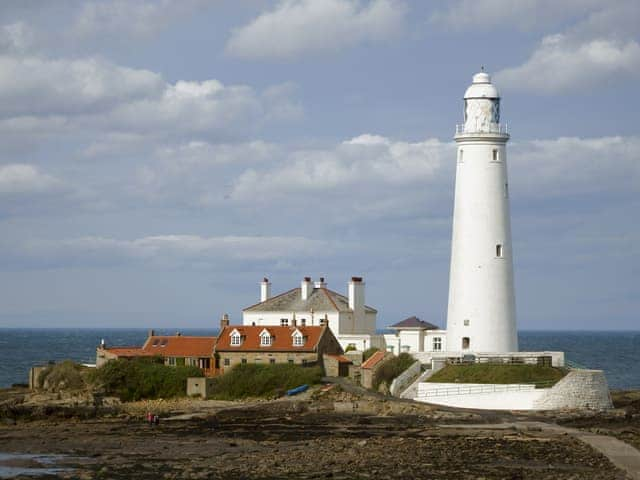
(281, 338)
(127, 351)
(340, 358)
(373, 360)
(179, 346)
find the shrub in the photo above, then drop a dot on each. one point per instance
(266, 381)
(66, 375)
(390, 369)
(142, 378)
(350, 348)
(368, 352)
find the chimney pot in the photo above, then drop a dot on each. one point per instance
(152, 332)
(356, 279)
(224, 321)
(265, 280)
(322, 279)
(307, 279)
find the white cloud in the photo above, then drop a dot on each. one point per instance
(601, 48)
(523, 14)
(84, 94)
(138, 18)
(557, 65)
(569, 166)
(367, 162)
(33, 85)
(166, 250)
(20, 178)
(298, 27)
(16, 37)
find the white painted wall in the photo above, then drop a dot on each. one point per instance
(579, 389)
(481, 287)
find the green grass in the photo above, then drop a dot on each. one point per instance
(264, 381)
(142, 378)
(492, 373)
(392, 368)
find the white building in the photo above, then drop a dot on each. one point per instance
(352, 322)
(481, 315)
(413, 335)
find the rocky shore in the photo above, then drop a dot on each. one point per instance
(331, 434)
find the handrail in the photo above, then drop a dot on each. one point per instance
(489, 388)
(501, 128)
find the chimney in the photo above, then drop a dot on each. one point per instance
(324, 321)
(294, 322)
(224, 321)
(306, 288)
(178, 334)
(356, 299)
(103, 344)
(320, 284)
(265, 290)
(152, 333)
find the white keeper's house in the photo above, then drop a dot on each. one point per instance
(351, 321)
(413, 335)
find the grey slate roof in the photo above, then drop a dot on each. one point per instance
(320, 300)
(414, 322)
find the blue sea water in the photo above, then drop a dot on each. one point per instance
(617, 353)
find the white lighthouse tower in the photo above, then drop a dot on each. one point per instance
(481, 316)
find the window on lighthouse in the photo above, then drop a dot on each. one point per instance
(465, 343)
(460, 156)
(499, 251)
(494, 155)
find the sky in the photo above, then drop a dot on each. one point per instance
(159, 158)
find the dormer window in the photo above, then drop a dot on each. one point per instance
(298, 338)
(265, 339)
(236, 338)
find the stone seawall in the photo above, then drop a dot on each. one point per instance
(578, 389)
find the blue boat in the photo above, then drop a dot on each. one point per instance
(297, 390)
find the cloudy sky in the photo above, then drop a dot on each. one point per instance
(158, 158)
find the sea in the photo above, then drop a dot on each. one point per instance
(617, 353)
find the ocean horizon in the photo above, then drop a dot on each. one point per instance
(616, 352)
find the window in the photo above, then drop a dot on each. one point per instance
(284, 322)
(460, 156)
(244, 360)
(265, 339)
(303, 322)
(466, 322)
(437, 344)
(236, 339)
(506, 190)
(298, 340)
(465, 343)
(171, 361)
(290, 361)
(499, 251)
(226, 362)
(272, 361)
(304, 361)
(494, 155)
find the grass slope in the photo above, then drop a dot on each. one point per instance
(266, 381)
(491, 373)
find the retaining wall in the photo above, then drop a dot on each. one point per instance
(578, 389)
(403, 380)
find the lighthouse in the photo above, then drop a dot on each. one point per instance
(481, 315)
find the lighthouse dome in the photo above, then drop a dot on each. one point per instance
(482, 87)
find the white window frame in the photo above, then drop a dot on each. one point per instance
(265, 339)
(437, 344)
(298, 340)
(236, 339)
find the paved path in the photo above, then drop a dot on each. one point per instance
(621, 454)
